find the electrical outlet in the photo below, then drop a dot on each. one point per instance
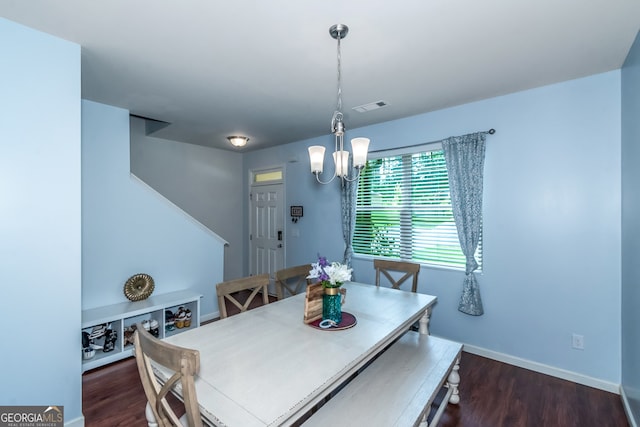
(577, 341)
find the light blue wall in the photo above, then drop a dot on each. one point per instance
(205, 182)
(128, 228)
(551, 221)
(319, 228)
(40, 253)
(631, 229)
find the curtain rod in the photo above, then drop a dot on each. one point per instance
(490, 132)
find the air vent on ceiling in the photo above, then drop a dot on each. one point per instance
(371, 106)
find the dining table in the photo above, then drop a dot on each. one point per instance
(266, 367)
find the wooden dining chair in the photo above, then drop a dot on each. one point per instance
(386, 267)
(183, 363)
(292, 280)
(231, 290)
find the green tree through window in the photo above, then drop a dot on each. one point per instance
(403, 211)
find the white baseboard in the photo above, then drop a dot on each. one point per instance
(78, 422)
(544, 369)
(210, 316)
(627, 408)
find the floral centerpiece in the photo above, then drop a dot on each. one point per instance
(331, 276)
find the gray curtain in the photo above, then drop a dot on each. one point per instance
(464, 156)
(348, 203)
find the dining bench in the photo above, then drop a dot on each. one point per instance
(399, 387)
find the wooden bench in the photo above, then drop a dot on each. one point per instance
(399, 387)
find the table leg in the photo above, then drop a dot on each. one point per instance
(424, 322)
(151, 419)
(453, 381)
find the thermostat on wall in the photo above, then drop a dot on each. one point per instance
(296, 212)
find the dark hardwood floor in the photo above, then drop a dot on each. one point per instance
(492, 394)
(496, 394)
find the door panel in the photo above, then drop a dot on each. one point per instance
(267, 229)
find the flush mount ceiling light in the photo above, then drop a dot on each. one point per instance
(238, 141)
(359, 145)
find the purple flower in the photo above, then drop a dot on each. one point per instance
(329, 274)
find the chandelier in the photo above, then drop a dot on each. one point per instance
(358, 145)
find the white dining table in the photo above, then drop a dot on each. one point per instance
(266, 367)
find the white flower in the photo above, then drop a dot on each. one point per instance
(338, 273)
(315, 272)
(335, 273)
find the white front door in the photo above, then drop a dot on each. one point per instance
(267, 229)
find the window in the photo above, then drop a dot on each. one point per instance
(404, 211)
(268, 176)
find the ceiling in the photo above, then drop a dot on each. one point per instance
(268, 69)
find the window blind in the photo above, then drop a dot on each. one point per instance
(403, 211)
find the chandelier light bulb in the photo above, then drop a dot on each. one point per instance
(360, 146)
(316, 157)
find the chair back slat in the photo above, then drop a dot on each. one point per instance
(385, 267)
(292, 280)
(183, 362)
(226, 290)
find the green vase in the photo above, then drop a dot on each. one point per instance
(332, 305)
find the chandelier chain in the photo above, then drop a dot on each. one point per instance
(339, 105)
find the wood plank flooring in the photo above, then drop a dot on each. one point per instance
(497, 394)
(492, 394)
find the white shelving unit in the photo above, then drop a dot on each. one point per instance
(122, 315)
